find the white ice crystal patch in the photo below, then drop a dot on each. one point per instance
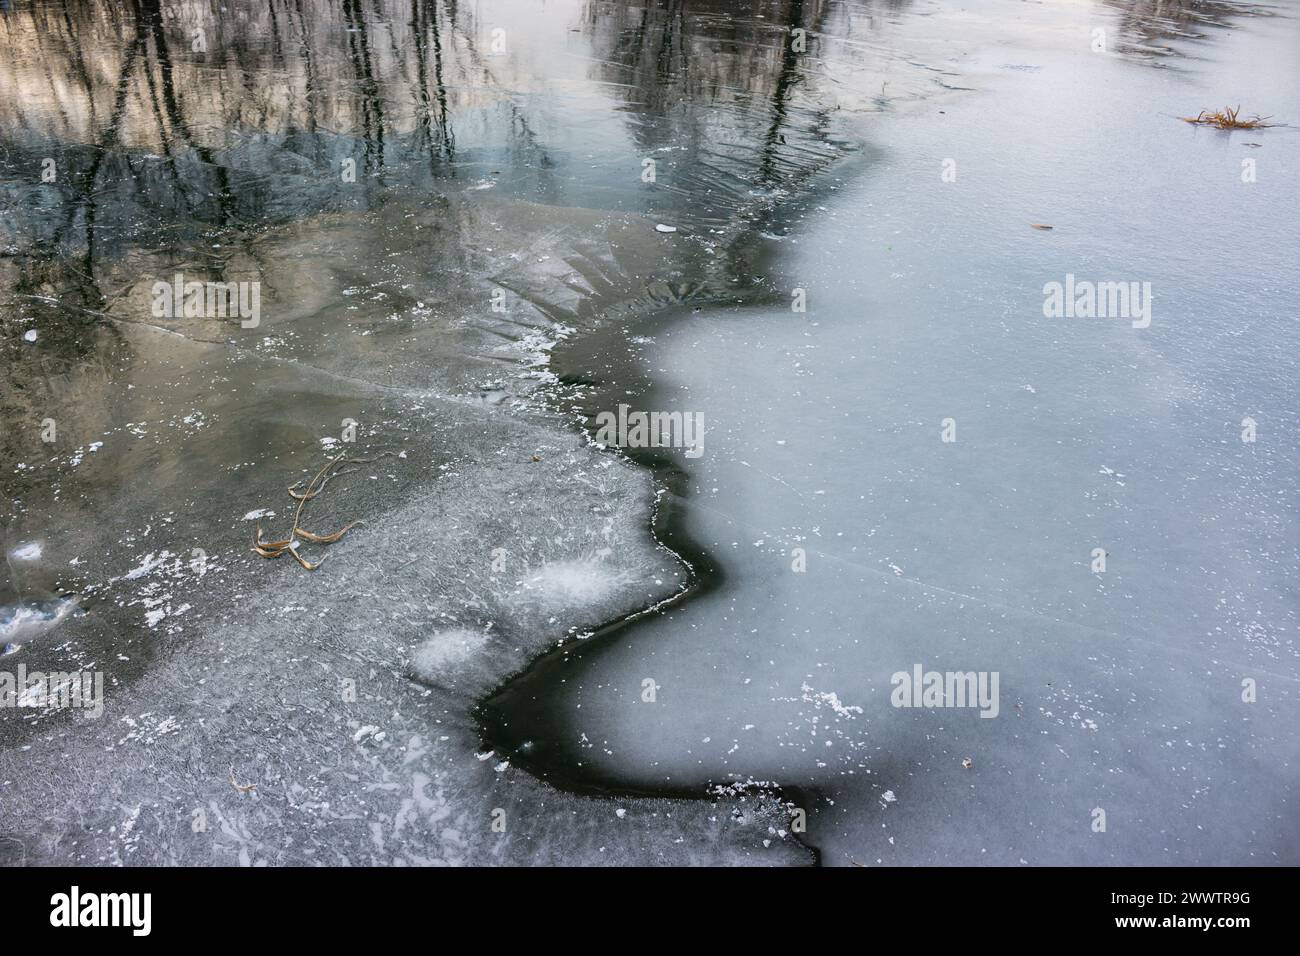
(31, 551)
(366, 731)
(148, 728)
(147, 564)
(577, 582)
(445, 650)
(536, 348)
(829, 699)
(130, 836)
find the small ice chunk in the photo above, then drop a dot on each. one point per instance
(662, 228)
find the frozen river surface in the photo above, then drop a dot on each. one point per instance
(474, 229)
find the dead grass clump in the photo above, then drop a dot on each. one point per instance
(1228, 118)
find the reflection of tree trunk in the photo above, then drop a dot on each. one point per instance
(164, 139)
(422, 27)
(788, 76)
(372, 113)
(79, 63)
(277, 48)
(449, 144)
(674, 22)
(309, 75)
(107, 141)
(47, 274)
(149, 13)
(425, 120)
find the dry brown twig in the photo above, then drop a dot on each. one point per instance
(276, 549)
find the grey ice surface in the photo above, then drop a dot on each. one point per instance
(497, 209)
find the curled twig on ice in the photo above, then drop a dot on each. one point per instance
(276, 549)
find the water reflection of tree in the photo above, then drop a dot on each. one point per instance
(434, 127)
(1147, 27)
(167, 153)
(306, 77)
(149, 22)
(161, 146)
(729, 99)
(372, 110)
(148, 138)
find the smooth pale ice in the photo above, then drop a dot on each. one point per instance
(1120, 691)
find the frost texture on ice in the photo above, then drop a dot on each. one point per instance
(407, 607)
